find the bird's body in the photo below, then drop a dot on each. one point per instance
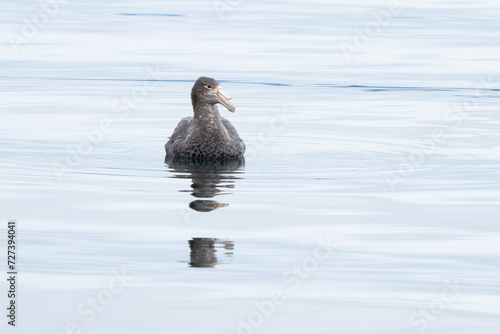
(206, 135)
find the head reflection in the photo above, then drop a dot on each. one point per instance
(209, 178)
(205, 251)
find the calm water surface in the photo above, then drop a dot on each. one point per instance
(368, 201)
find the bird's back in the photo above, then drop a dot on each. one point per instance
(179, 135)
(185, 142)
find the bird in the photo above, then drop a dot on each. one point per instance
(206, 135)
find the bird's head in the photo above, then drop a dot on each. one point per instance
(209, 91)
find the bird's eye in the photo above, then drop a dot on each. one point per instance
(209, 86)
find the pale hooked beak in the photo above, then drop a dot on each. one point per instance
(225, 100)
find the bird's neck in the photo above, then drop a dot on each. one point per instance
(206, 117)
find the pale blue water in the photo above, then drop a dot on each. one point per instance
(369, 200)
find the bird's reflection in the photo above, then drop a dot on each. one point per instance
(209, 179)
(207, 252)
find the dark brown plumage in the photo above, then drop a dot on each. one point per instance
(206, 135)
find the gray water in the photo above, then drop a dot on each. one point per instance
(369, 197)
